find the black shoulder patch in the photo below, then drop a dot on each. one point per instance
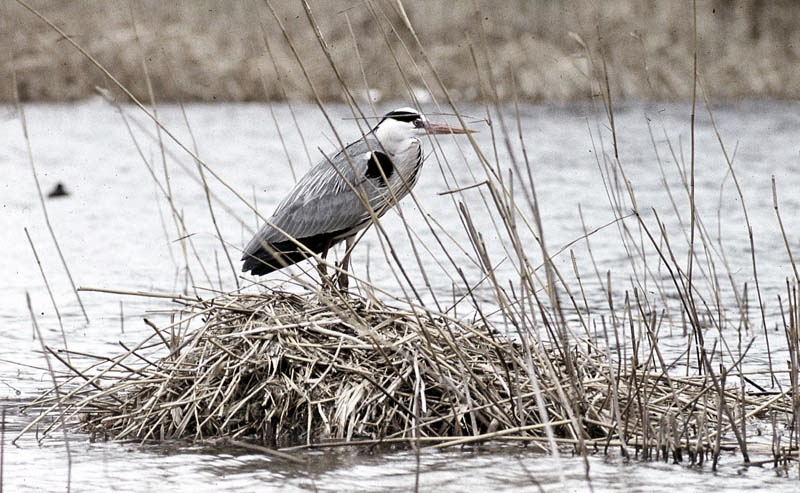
(379, 165)
(402, 115)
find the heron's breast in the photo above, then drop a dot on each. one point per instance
(408, 160)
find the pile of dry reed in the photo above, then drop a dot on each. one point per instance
(295, 369)
(286, 369)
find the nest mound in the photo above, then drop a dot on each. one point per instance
(290, 369)
(322, 368)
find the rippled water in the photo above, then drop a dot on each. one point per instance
(114, 467)
(116, 232)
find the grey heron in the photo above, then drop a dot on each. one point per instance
(343, 193)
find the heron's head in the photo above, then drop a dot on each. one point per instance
(404, 123)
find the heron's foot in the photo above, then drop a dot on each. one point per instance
(337, 281)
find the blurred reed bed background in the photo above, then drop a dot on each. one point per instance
(225, 51)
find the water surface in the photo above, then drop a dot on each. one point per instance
(116, 231)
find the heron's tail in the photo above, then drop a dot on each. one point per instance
(261, 258)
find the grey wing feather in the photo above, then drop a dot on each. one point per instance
(329, 198)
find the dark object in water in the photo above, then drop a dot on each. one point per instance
(58, 191)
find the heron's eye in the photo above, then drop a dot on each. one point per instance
(418, 123)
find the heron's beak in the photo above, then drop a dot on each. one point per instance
(443, 128)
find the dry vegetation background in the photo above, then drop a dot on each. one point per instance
(234, 51)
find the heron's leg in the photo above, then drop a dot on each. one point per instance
(344, 277)
(322, 268)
